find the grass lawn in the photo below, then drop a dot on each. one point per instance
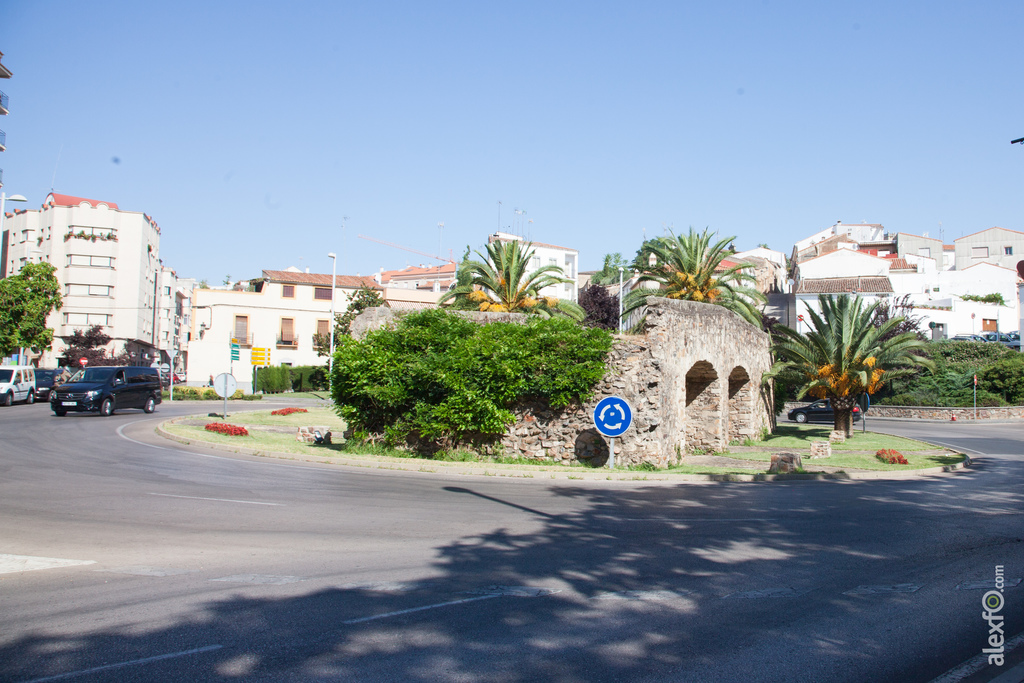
(856, 454)
(801, 436)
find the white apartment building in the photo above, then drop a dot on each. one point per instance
(281, 311)
(173, 320)
(548, 254)
(108, 266)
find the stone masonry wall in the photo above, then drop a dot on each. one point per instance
(693, 381)
(932, 413)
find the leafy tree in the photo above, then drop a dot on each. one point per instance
(602, 308)
(90, 345)
(845, 355)
(500, 282)
(26, 299)
(609, 273)
(689, 267)
(902, 308)
(358, 301)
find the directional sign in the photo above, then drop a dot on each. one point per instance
(234, 351)
(612, 416)
(260, 355)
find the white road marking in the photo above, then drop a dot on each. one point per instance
(218, 500)
(888, 588)
(976, 663)
(642, 595)
(514, 591)
(144, 571)
(146, 660)
(262, 579)
(10, 564)
(987, 584)
(770, 593)
(420, 609)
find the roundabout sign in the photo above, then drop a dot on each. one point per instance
(612, 417)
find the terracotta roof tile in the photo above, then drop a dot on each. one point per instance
(54, 199)
(874, 284)
(346, 281)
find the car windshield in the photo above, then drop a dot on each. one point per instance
(6, 375)
(45, 374)
(93, 375)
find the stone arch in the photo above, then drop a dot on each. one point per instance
(740, 405)
(703, 407)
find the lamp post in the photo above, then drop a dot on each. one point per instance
(3, 212)
(620, 299)
(330, 326)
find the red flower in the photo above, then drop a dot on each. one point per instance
(891, 456)
(224, 428)
(288, 411)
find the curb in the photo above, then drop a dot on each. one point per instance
(541, 472)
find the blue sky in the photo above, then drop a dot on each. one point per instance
(249, 130)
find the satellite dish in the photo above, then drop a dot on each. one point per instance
(1020, 269)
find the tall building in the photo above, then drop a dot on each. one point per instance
(4, 73)
(108, 264)
(565, 258)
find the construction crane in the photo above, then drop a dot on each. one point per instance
(415, 251)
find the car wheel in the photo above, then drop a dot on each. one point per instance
(60, 413)
(107, 407)
(7, 399)
(150, 405)
(801, 417)
(31, 398)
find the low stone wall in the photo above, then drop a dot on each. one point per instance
(933, 413)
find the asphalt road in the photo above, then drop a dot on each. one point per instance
(203, 566)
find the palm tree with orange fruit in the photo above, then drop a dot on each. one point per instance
(500, 282)
(846, 354)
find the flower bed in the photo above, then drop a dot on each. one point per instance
(891, 456)
(224, 428)
(288, 411)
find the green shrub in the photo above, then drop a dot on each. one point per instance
(1005, 378)
(437, 379)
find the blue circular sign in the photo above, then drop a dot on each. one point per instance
(612, 416)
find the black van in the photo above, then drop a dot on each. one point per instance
(106, 389)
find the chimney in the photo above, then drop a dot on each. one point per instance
(307, 270)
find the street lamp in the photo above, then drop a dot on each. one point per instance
(3, 202)
(330, 326)
(620, 299)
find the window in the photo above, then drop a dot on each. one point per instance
(288, 291)
(322, 293)
(323, 327)
(979, 252)
(241, 328)
(90, 261)
(88, 290)
(167, 290)
(1008, 251)
(924, 251)
(86, 319)
(287, 329)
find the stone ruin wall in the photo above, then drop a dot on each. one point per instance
(693, 381)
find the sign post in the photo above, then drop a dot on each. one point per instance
(225, 384)
(612, 417)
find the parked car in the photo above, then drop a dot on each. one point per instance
(106, 389)
(969, 337)
(17, 383)
(819, 411)
(46, 379)
(1004, 339)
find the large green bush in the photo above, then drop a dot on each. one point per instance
(952, 382)
(1005, 378)
(280, 378)
(437, 379)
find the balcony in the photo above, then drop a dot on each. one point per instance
(242, 340)
(3, 103)
(3, 141)
(291, 342)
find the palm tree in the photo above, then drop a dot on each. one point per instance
(847, 353)
(500, 283)
(689, 267)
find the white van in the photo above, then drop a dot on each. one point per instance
(17, 383)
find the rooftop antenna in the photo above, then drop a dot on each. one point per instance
(499, 215)
(941, 238)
